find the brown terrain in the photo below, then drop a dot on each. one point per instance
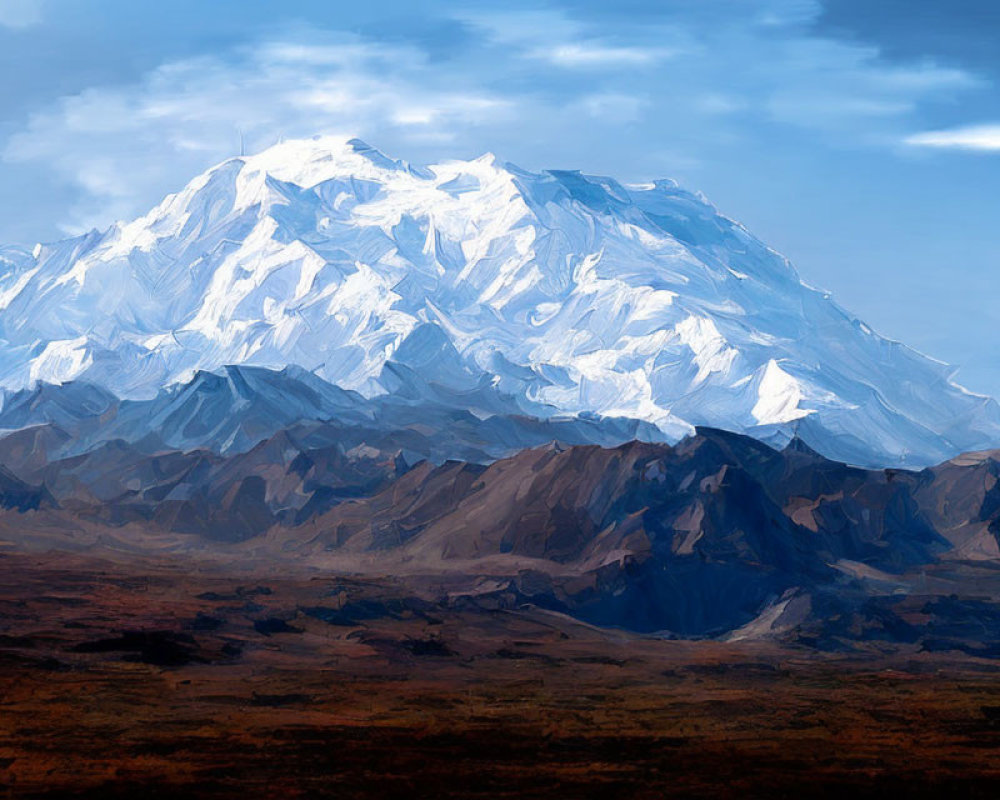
(711, 619)
(188, 677)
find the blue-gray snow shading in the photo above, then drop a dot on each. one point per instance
(237, 409)
(568, 292)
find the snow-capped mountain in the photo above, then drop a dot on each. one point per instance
(567, 292)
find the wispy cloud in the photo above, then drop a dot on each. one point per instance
(593, 55)
(568, 43)
(543, 87)
(978, 138)
(124, 146)
(20, 13)
(763, 58)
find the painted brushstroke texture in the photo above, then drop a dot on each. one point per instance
(234, 411)
(567, 292)
(720, 535)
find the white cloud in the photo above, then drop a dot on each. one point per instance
(20, 13)
(839, 87)
(718, 57)
(518, 28)
(589, 54)
(126, 146)
(673, 93)
(564, 42)
(981, 138)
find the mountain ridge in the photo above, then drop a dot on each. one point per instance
(233, 410)
(569, 292)
(715, 536)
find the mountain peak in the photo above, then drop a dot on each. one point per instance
(797, 445)
(566, 291)
(54, 403)
(308, 162)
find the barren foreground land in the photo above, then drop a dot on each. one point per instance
(191, 679)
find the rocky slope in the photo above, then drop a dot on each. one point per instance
(567, 292)
(718, 535)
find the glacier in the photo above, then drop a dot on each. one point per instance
(567, 293)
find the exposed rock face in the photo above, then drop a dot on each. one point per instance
(719, 533)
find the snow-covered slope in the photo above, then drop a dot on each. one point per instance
(566, 291)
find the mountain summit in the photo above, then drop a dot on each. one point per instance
(566, 292)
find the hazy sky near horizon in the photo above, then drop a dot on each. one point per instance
(861, 138)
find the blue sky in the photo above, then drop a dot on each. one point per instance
(859, 137)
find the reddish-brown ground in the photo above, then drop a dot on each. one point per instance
(179, 679)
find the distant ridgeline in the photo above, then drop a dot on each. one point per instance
(717, 535)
